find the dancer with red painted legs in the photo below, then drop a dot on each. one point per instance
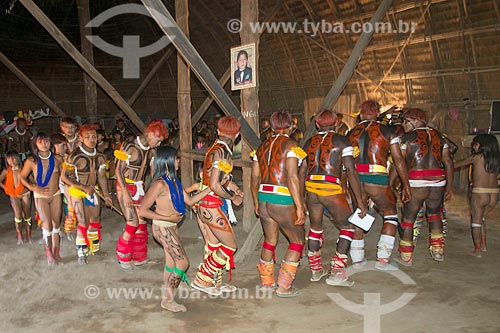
(84, 169)
(213, 210)
(133, 160)
(277, 194)
(327, 153)
(430, 170)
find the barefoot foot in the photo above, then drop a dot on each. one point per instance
(173, 306)
(477, 254)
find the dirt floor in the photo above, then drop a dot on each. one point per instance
(459, 295)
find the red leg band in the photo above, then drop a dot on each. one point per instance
(296, 247)
(347, 234)
(96, 225)
(316, 236)
(406, 224)
(271, 248)
(130, 229)
(83, 230)
(123, 250)
(140, 246)
(229, 253)
(142, 227)
(433, 217)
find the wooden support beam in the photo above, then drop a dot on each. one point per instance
(184, 94)
(32, 86)
(167, 24)
(149, 77)
(52, 29)
(249, 99)
(88, 53)
(209, 100)
(350, 66)
(195, 118)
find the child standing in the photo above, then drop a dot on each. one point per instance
(20, 201)
(167, 192)
(46, 168)
(485, 160)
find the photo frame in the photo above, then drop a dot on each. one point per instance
(243, 71)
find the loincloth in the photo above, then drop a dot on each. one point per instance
(165, 224)
(136, 190)
(38, 196)
(323, 189)
(325, 178)
(485, 190)
(88, 200)
(434, 174)
(371, 168)
(211, 200)
(373, 178)
(275, 194)
(427, 183)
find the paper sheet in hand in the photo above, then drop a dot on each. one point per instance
(364, 223)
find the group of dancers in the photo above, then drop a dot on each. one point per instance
(330, 174)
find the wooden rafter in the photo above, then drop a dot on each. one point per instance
(82, 62)
(150, 76)
(32, 86)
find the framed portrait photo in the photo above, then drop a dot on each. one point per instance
(243, 71)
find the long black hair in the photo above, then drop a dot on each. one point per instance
(489, 148)
(164, 162)
(42, 136)
(14, 154)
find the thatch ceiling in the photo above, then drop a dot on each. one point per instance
(454, 54)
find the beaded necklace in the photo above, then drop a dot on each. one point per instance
(39, 170)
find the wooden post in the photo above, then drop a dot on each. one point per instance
(249, 104)
(168, 25)
(184, 95)
(88, 53)
(350, 65)
(204, 106)
(82, 62)
(33, 87)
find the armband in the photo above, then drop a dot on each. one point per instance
(253, 155)
(347, 151)
(122, 156)
(223, 166)
(355, 152)
(395, 140)
(68, 166)
(297, 152)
